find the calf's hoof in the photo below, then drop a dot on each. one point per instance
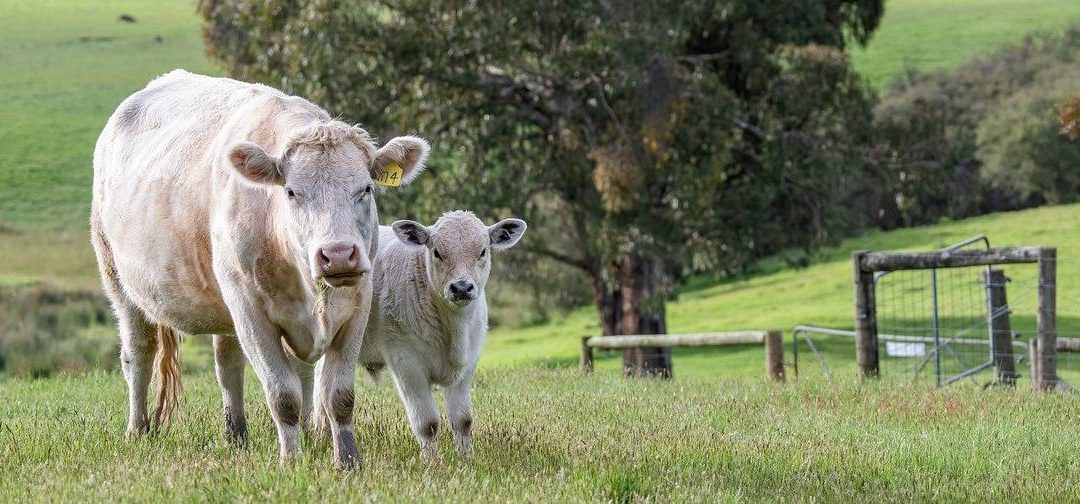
(236, 431)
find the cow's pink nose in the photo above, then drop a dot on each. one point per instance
(338, 259)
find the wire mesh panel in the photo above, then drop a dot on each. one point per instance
(933, 324)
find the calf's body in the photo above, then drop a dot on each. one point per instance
(429, 317)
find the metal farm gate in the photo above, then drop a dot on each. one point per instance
(942, 317)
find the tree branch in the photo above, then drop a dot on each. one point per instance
(559, 256)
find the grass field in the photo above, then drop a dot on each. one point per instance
(939, 34)
(545, 435)
(718, 432)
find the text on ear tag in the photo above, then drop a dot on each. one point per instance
(390, 176)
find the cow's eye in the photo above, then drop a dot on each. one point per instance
(369, 189)
(437, 256)
(289, 192)
(483, 253)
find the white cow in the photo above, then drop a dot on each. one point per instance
(227, 208)
(429, 317)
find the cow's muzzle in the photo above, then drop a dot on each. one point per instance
(339, 264)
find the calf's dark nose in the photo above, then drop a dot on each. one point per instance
(463, 289)
(338, 258)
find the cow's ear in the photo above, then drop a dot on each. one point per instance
(411, 233)
(255, 164)
(506, 233)
(407, 152)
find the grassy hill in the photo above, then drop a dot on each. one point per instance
(936, 34)
(66, 65)
(821, 294)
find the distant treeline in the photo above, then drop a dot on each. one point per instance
(983, 137)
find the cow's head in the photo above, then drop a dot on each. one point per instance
(458, 251)
(324, 184)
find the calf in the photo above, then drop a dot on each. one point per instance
(429, 317)
(226, 208)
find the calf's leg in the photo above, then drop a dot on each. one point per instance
(459, 411)
(229, 368)
(414, 388)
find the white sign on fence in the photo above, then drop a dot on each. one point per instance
(900, 349)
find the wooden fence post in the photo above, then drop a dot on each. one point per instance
(774, 355)
(586, 355)
(1047, 319)
(1000, 327)
(866, 344)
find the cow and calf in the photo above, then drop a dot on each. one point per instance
(233, 209)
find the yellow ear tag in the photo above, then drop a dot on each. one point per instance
(390, 176)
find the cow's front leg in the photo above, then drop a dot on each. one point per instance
(306, 373)
(261, 341)
(335, 378)
(413, 386)
(459, 411)
(334, 381)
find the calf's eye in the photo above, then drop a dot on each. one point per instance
(289, 192)
(483, 253)
(437, 256)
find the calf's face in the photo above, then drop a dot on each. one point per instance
(327, 192)
(458, 249)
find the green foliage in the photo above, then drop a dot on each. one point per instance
(555, 436)
(983, 137)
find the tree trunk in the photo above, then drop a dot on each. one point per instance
(608, 302)
(635, 305)
(643, 285)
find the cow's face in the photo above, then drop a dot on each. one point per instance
(458, 251)
(324, 183)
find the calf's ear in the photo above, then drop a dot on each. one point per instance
(254, 164)
(407, 152)
(411, 232)
(506, 233)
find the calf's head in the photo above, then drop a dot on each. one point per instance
(324, 190)
(458, 250)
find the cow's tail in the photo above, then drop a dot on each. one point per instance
(167, 368)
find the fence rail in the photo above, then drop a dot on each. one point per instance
(773, 340)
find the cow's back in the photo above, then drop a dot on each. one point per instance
(158, 172)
